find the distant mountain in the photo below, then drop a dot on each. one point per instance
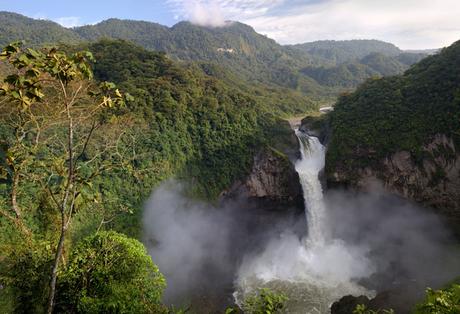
(236, 46)
(352, 73)
(15, 27)
(316, 69)
(424, 51)
(147, 34)
(337, 52)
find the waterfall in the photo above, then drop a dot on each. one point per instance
(308, 167)
(316, 270)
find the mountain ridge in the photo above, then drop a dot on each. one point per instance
(253, 57)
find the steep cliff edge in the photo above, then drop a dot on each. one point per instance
(433, 181)
(272, 183)
(405, 132)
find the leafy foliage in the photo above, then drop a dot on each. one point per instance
(46, 104)
(264, 301)
(24, 273)
(445, 301)
(110, 273)
(362, 309)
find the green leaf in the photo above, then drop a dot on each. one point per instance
(33, 73)
(15, 95)
(12, 79)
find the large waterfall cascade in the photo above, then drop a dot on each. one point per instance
(308, 167)
(316, 270)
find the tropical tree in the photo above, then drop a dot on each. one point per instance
(51, 110)
(110, 273)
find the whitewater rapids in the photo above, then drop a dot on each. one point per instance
(313, 271)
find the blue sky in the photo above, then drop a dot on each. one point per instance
(92, 11)
(410, 24)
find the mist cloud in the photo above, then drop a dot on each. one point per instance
(186, 239)
(405, 242)
(199, 246)
(374, 241)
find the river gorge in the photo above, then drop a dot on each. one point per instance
(337, 243)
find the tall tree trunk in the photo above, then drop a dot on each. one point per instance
(14, 194)
(57, 258)
(69, 187)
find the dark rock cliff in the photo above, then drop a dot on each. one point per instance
(272, 183)
(433, 181)
(317, 126)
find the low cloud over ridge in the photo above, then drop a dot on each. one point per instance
(409, 24)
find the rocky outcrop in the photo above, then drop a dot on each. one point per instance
(401, 299)
(348, 304)
(272, 182)
(317, 126)
(432, 179)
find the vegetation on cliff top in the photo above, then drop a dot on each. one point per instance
(399, 113)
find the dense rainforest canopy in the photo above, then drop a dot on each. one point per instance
(179, 120)
(398, 113)
(199, 110)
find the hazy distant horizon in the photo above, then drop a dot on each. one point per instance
(409, 24)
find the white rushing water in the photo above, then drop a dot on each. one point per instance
(314, 271)
(308, 167)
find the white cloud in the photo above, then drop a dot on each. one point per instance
(410, 24)
(207, 14)
(216, 12)
(69, 21)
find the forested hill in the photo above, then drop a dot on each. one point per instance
(237, 47)
(182, 122)
(338, 52)
(245, 53)
(15, 27)
(404, 130)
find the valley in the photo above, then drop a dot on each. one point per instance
(198, 169)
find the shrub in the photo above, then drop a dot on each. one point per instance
(110, 273)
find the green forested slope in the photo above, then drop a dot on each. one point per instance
(14, 27)
(189, 120)
(182, 122)
(337, 52)
(314, 69)
(250, 55)
(351, 73)
(398, 113)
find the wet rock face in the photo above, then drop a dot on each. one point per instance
(401, 299)
(348, 304)
(272, 182)
(273, 176)
(318, 127)
(433, 180)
